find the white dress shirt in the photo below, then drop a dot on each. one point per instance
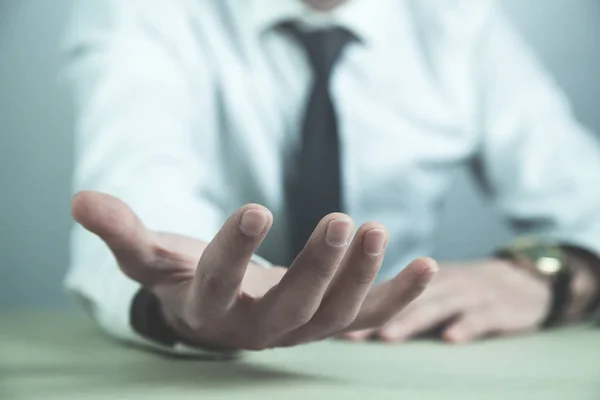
(188, 109)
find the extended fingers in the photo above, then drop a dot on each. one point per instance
(294, 301)
(350, 286)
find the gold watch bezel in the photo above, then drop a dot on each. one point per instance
(543, 257)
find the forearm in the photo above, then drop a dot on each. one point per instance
(537, 161)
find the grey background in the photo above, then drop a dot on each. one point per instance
(36, 139)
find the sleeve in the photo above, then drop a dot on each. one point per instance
(540, 165)
(143, 134)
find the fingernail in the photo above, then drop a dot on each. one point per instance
(338, 232)
(374, 242)
(431, 272)
(253, 222)
(434, 267)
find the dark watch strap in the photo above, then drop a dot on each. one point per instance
(591, 262)
(147, 320)
(561, 298)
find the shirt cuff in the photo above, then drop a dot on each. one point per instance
(115, 319)
(590, 261)
(147, 322)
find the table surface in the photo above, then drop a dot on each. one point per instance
(63, 356)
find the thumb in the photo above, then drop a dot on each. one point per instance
(118, 226)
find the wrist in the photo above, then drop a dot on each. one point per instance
(542, 285)
(539, 284)
(190, 338)
(548, 263)
(150, 320)
(147, 319)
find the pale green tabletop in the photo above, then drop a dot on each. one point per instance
(57, 356)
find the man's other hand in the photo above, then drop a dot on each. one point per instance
(469, 302)
(213, 295)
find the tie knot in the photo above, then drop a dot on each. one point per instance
(323, 46)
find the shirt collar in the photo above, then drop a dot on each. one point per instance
(265, 15)
(369, 20)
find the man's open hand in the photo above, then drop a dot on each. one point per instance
(212, 295)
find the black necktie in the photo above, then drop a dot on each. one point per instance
(316, 188)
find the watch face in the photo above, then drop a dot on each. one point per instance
(549, 259)
(549, 265)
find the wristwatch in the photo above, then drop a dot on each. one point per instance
(547, 261)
